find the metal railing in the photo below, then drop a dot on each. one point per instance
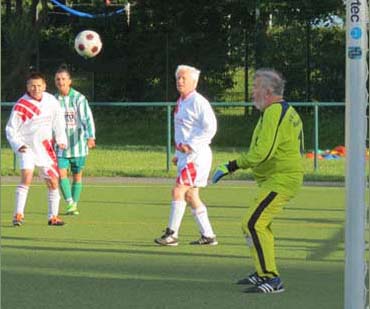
(170, 105)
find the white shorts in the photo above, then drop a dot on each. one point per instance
(28, 160)
(193, 168)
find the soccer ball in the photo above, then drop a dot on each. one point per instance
(88, 43)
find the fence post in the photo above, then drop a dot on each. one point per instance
(14, 162)
(168, 136)
(316, 112)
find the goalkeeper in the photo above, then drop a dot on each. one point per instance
(80, 129)
(275, 157)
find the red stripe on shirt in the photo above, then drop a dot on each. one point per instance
(23, 117)
(23, 112)
(49, 149)
(30, 105)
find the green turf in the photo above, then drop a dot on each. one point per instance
(150, 161)
(106, 258)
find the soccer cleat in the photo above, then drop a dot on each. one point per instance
(72, 209)
(55, 221)
(167, 239)
(251, 279)
(269, 285)
(203, 240)
(18, 219)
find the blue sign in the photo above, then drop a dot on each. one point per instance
(356, 33)
(354, 52)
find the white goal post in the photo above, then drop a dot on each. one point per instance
(355, 294)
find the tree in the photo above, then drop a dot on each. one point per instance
(138, 61)
(20, 33)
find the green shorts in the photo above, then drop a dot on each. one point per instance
(77, 164)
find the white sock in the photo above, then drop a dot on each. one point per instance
(176, 215)
(53, 202)
(69, 201)
(201, 218)
(21, 193)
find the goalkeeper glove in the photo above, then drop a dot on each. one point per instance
(223, 170)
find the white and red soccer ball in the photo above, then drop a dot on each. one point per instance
(88, 43)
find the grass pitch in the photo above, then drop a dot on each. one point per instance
(148, 161)
(106, 257)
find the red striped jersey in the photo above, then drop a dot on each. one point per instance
(36, 123)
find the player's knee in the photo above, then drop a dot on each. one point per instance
(77, 177)
(53, 183)
(256, 226)
(177, 194)
(245, 229)
(249, 241)
(63, 173)
(188, 198)
(247, 234)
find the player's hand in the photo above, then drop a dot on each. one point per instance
(23, 148)
(223, 170)
(220, 172)
(185, 148)
(62, 146)
(91, 143)
(174, 160)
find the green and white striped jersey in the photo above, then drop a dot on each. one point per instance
(79, 124)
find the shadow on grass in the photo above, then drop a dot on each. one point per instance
(327, 246)
(210, 205)
(317, 250)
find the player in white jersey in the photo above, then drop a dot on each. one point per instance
(35, 124)
(80, 129)
(195, 126)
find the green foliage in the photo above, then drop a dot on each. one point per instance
(326, 71)
(138, 60)
(19, 45)
(328, 68)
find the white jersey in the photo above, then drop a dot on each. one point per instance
(195, 121)
(195, 125)
(37, 125)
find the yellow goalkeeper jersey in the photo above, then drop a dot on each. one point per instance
(276, 150)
